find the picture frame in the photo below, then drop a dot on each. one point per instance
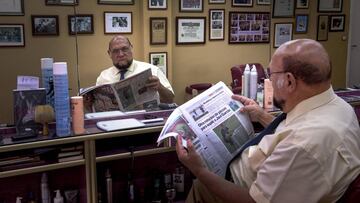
(283, 8)
(246, 3)
(283, 33)
(116, 2)
(217, 1)
(191, 5)
(337, 23)
(158, 30)
(302, 4)
(157, 4)
(216, 24)
(84, 24)
(159, 59)
(249, 27)
(45, 25)
(263, 2)
(301, 23)
(190, 30)
(12, 35)
(322, 28)
(61, 2)
(330, 6)
(117, 22)
(12, 8)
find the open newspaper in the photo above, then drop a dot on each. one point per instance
(214, 124)
(126, 95)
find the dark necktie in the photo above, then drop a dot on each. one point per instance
(122, 74)
(254, 141)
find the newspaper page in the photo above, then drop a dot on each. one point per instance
(214, 124)
(126, 95)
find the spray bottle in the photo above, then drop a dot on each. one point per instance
(246, 86)
(253, 82)
(58, 198)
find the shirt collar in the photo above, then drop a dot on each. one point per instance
(310, 104)
(129, 70)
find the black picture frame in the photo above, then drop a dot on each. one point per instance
(84, 24)
(160, 60)
(12, 35)
(283, 32)
(158, 30)
(333, 6)
(216, 24)
(12, 8)
(191, 6)
(45, 25)
(61, 2)
(118, 22)
(322, 28)
(200, 33)
(283, 8)
(116, 2)
(302, 4)
(244, 27)
(157, 4)
(217, 1)
(337, 23)
(237, 3)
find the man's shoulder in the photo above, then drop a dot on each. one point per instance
(144, 65)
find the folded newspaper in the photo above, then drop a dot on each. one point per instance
(214, 124)
(126, 95)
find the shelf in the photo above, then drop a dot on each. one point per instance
(139, 153)
(42, 168)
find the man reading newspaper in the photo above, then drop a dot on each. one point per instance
(312, 156)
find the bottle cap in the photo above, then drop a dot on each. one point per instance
(60, 68)
(47, 63)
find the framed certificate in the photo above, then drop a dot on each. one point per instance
(11, 7)
(158, 30)
(216, 24)
(283, 8)
(283, 33)
(330, 6)
(190, 30)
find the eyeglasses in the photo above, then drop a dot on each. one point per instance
(271, 73)
(124, 50)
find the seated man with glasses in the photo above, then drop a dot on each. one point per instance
(312, 156)
(120, 52)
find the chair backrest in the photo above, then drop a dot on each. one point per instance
(238, 70)
(195, 89)
(352, 193)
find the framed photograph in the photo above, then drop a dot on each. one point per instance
(124, 2)
(330, 6)
(117, 22)
(159, 59)
(12, 35)
(157, 4)
(322, 28)
(283, 8)
(12, 8)
(81, 24)
(191, 5)
(216, 1)
(301, 23)
(62, 2)
(190, 30)
(249, 27)
(216, 24)
(241, 3)
(45, 25)
(158, 30)
(263, 2)
(337, 23)
(283, 33)
(302, 4)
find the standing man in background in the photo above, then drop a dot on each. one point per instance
(124, 66)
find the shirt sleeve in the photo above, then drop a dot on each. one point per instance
(290, 174)
(163, 80)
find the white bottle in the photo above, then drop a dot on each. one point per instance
(109, 186)
(247, 81)
(18, 199)
(253, 82)
(45, 192)
(58, 198)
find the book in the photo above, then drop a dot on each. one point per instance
(126, 95)
(71, 158)
(25, 102)
(67, 154)
(213, 122)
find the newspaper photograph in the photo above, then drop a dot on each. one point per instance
(214, 124)
(126, 95)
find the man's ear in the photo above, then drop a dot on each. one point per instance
(291, 81)
(108, 51)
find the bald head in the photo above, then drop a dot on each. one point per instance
(306, 59)
(119, 39)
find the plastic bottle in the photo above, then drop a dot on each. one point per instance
(62, 100)
(47, 79)
(58, 198)
(247, 81)
(45, 192)
(253, 82)
(109, 186)
(268, 94)
(18, 199)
